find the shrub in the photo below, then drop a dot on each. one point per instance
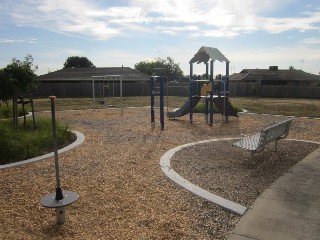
(200, 108)
(23, 143)
(6, 111)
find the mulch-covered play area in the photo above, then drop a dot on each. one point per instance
(123, 194)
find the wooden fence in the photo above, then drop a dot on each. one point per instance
(84, 89)
(246, 90)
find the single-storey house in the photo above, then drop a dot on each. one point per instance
(275, 76)
(77, 82)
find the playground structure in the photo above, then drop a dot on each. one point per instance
(102, 79)
(207, 90)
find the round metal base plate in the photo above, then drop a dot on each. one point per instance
(50, 201)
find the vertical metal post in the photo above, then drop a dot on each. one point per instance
(227, 90)
(219, 85)
(15, 112)
(121, 95)
(206, 106)
(93, 96)
(60, 215)
(207, 71)
(211, 93)
(168, 95)
(59, 195)
(152, 101)
(190, 93)
(191, 102)
(24, 113)
(161, 104)
(32, 111)
(59, 199)
(224, 99)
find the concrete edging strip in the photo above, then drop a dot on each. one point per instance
(174, 176)
(79, 140)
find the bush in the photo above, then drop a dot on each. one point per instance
(24, 143)
(200, 108)
(237, 108)
(6, 112)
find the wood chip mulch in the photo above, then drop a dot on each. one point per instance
(123, 192)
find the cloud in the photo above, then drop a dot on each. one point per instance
(311, 41)
(31, 41)
(278, 25)
(63, 16)
(101, 20)
(10, 41)
(177, 30)
(228, 18)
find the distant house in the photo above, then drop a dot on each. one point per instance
(85, 74)
(274, 76)
(77, 82)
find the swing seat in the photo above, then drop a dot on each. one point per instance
(101, 102)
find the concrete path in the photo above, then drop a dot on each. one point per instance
(289, 209)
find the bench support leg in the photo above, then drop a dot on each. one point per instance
(251, 155)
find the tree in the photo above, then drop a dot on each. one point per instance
(78, 62)
(17, 78)
(291, 67)
(164, 67)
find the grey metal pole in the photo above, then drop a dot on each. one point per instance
(59, 199)
(121, 95)
(59, 195)
(93, 96)
(227, 88)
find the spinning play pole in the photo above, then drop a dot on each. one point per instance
(59, 199)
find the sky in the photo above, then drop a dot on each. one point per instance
(250, 33)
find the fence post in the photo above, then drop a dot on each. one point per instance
(152, 101)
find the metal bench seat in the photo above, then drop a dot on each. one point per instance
(258, 142)
(250, 143)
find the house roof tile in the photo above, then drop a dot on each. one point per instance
(85, 74)
(249, 75)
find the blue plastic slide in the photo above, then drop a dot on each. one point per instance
(185, 109)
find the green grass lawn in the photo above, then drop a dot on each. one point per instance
(289, 107)
(19, 144)
(281, 106)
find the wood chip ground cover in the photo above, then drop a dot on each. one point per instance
(124, 194)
